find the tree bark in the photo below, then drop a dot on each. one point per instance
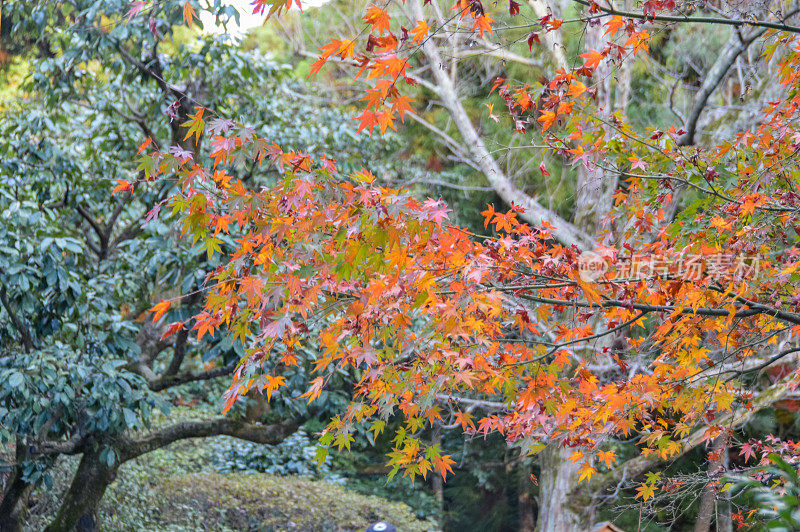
(723, 511)
(534, 212)
(557, 482)
(437, 483)
(79, 510)
(709, 497)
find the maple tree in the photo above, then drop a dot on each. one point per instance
(423, 312)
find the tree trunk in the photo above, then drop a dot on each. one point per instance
(15, 497)
(709, 497)
(557, 479)
(79, 510)
(524, 500)
(437, 483)
(724, 519)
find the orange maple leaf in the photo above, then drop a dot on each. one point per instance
(639, 40)
(378, 18)
(122, 186)
(367, 120)
(159, 309)
(188, 13)
(442, 465)
(547, 118)
(586, 471)
(315, 389)
(593, 58)
(483, 24)
(607, 457)
(401, 105)
(420, 31)
(614, 25)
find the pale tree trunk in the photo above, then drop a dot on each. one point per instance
(593, 198)
(534, 212)
(595, 184)
(708, 500)
(557, 480)
(550, 39)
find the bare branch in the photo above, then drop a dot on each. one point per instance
(169, 381)
(255, 432)
(534, 213)
(695, 20)
(27, 340)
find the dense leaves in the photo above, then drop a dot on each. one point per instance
(425, 311)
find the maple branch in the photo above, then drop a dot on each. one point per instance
(535, 213)
(489, 405)
(717, 312)
(766, 363)
(639, 465)
(446, 184)
(592, 337)
(692, 20)
(552, 39)
(500, 53)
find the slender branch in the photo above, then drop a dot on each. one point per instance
(169, 381)
(693, 20)
(139, 121)
(727, 57)
(763, 365)
(448, 140)
(534, 212)
(255, 432)
(718, 312)
(586, 338)
(86, 215)
(490, 405)
(27, 341)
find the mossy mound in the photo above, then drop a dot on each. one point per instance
(259, 502)
(176, 489)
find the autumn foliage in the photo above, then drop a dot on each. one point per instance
(423, 313)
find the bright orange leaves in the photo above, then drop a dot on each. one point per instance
(426, 309)
(429, 313)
